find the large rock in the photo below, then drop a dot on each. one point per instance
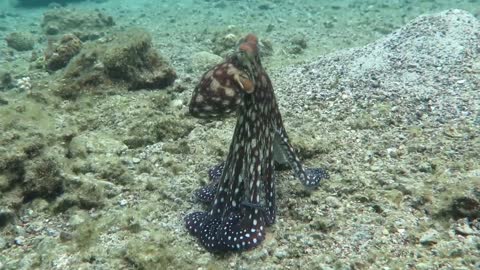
(128, 59)
(132, 59)
(20, 41)
(60, 54)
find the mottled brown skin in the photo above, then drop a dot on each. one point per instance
(242, 192)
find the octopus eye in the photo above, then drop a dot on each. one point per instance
(247, 84)
(244, 82)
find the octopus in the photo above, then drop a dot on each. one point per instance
(241, 191)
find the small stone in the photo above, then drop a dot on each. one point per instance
(429, 237)
(333, 202)
(136, 160)
(176, 103)
(425, 167)
(465, 229)
(65, 236)
(76, 220)
(392, 152)
(52, 232)
(19, 240)
(456, 253)
(59, 56)
(39, 205)
(123, 202)
(201, 61)
(20, 41)
(280, 253)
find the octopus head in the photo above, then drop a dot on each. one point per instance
(248, 50)
(221, 88)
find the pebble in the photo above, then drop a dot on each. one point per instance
(465, 229)
(177, 103)
(76, 220)
(123, 202)
(66, 236)
(333, 202)
(429, 237)
(136, 160)
(19, 240)
(280, 253)
(35, 227)
(392, 152)
(52, 232)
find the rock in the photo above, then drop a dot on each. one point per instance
(280, 253)
(86, 197)
(130, 58)
(59, 56)
(465, 229)
(333, 202)
(225, 41)
(43, 178)
(77, 219)
(6, 80)
(20, 41)
(127, 60)
(430, 237)
(298, 44)
(202, 61)
(19, 240)
(89, 143)
(39, 205)
(123, 202)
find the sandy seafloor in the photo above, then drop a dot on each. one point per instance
(396, 126)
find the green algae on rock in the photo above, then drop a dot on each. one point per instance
(6, 80)
(128, 60)
(58, 55)
(20, 41)
(131, 58)
(43, 178)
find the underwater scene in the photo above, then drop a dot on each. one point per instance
(230, 134)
